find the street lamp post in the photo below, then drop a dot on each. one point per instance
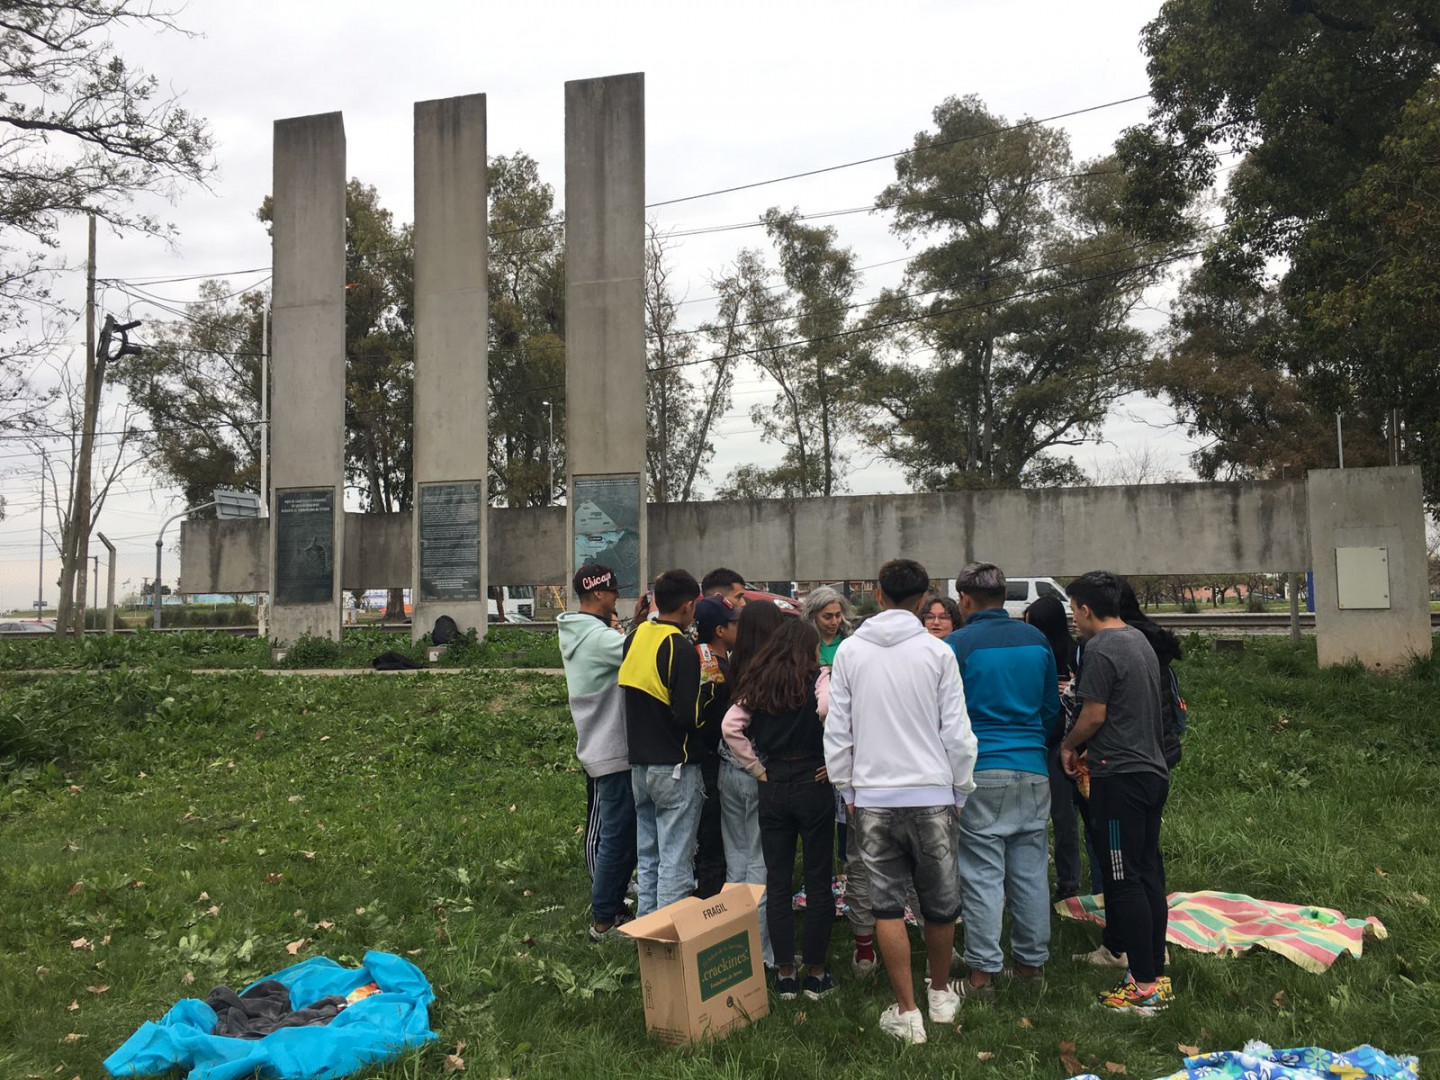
(160, 547)
(550, 451)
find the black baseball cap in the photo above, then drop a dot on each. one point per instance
(710, 614)
(595, 577)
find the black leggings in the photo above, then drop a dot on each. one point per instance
(1125, 815)
(793, 806)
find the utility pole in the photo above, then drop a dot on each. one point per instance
(74, 549)
(40, 596)
(265, 411)
(550, 453)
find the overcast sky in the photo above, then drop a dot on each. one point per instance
(734, 93)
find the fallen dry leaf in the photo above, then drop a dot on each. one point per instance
(1069, 1060)
(41, 972)
(74, 789)
(800, 1018)
(274, 879)
(295, 798)
(105, 940)
(102, 988)
(1281, 999)
(413, 952)
(141, 775)
(212, 910)
(189, 978)
(1419, 898)
(308, 854)
(73, 1037)
(295, 946)
(1116, 1068)
(324, 738)
(230, 765)
(1026, 1022)
(202, 897)
(324, 924)
(512, 807)
(359, 911)
(1188, 1051)
(984, 1055)
(1380, 873)
(137, 884)
(298, 913)
(452, 1064)
(81, 943)
(527, 894)
(76, 889)
(73, 1006)
(259, 734)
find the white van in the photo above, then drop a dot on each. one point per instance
(1021, 592)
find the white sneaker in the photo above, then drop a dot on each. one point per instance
(1100, 956)
(944, 1004)
(907, 1027)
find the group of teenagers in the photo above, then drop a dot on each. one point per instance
(935, 739)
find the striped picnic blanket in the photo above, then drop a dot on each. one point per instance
(1224, 924)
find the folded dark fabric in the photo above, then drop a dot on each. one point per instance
(264, 1008)
(394, 661)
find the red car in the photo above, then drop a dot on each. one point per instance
(784, 603)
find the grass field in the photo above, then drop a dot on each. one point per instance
(189, 827)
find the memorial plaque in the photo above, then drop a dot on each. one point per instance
(607, 527)
(450, 541)
(305, 546)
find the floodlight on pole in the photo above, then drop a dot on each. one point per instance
(228, 503)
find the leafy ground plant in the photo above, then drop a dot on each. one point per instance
(165, 832)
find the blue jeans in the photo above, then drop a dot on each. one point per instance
(668, 802)
(740, 824)
(1003, 856)
(615, 851)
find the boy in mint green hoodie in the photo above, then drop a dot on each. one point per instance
(592, 651)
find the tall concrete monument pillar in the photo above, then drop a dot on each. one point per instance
(605, 325)
(307, 422)
(1367, 549)
(451, 391)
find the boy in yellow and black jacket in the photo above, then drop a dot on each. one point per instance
(664, 707)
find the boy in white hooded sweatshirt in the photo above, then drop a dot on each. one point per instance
(899, 748)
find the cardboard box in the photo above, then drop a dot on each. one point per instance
(701, 972)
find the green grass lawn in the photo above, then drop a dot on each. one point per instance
(189, 827)
(503, 646)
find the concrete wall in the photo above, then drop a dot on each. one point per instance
(307, 418)
(1370, 508)
(1151, 529)
(527, 547)
(1155, 529)
(604, 283)
(451, 325)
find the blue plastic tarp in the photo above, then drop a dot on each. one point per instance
(374, 1029)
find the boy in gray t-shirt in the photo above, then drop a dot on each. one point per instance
(1120, 723)
(1120, 671)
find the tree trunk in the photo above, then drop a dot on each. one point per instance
(395, 605)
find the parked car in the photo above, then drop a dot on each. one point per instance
(25, 626)
(784, 603)
(1021, 592)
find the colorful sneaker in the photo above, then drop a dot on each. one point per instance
(787, 987)
(1128, 998)
(1100, 956)
(907, 1027)
(818, 986)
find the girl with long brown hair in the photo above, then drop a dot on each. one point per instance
(775, 730)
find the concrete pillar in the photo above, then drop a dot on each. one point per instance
(307, 423)
(1367, 549)
(605, 325)
(451, 394)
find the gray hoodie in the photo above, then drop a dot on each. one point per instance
(592, 653)
(898, 733)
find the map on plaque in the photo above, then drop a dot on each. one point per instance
(450, 541)
(607, 527)
(305, 546)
